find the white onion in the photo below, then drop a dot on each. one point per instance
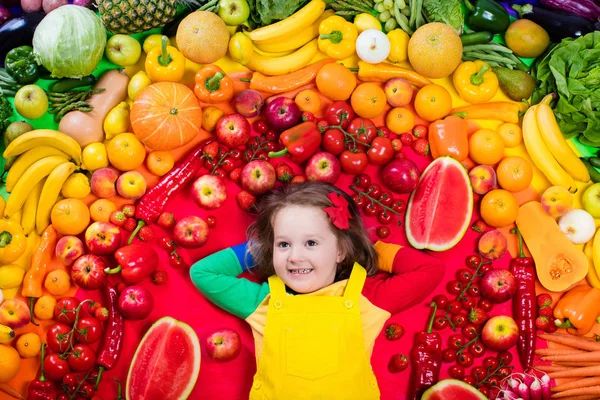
(578, 226)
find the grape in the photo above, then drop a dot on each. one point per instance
(378, 1)
(388, 4)
(379, 7)
(384, 16)
(406, 11)
(390, 24)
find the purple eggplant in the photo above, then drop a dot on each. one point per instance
(583, 8)
(18, 32)
(558, 25)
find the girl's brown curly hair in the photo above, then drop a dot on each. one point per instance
(354, 241)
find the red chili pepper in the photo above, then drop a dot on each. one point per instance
(41, 389)
(136, 263)
(426, 359)
(524, 302)
(109, 353)
(300, 141)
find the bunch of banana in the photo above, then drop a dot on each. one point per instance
(46, 158)
(592, 275)
(6, 334)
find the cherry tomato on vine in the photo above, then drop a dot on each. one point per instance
(55, 367)
(456, 342)
(382, 232)
(399, 206)
(454, 307)
(454, 287)
(465, 359)
(468, 302)
(381, 151)
(504, 358)
(72, 379)
(64, 311)
(362, 181)
(359, 199)
(503, 372)
(82, 358)
(470, 331)
(363, 127)
(88, 330)
(493, 381)
(479, 373)
(370, 209)
(473, 261)
(354, 163)
(440, 322)
(491, 363)
(464, 275)
(477, 349)
(374, 191)
(385, 217)
(485, 268)
(386, 198)
(474, 289)
(441, 301)
(333, 142)
(456, 372)
(339, 113)
(485, 305)
(57, 338)
(469, 380)
(459, 320)
(449, 355)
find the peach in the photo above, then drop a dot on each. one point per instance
(131, 185)
(556, 201)
(249, 103)
(492, 245)
(483, 179)
(398, 92)
(14, 313)
(103, 182)
(102, 238)
(68, 249)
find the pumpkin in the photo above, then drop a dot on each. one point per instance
(559, 263)
(166, 115)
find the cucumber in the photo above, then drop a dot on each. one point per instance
(476, 38)
(595, 161)
(594, 174)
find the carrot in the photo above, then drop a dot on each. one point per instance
(577, 392)
(11, 391)
(552, 368)
(583, 397)
(500, 110)
(593, 370)
(288, 82)
(579, 383)
(573, 341)
(591, 356)
(557, 352)
(576, 363)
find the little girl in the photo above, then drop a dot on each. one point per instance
(316, 319)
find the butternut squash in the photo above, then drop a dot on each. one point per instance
(559, 263)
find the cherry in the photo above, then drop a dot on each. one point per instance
(454, 307)
(485, 305)
(260, 126)
(456, 372)
(470, 331)
(440, 322)
(474, 289)
(473, 261)
(465, 359)
(454, 287)
(479, 373)
(505, 358)
(441, 301)
(491, 363)
(382, 231)
(469, 380)
(211, 221)
(459, 320)
(449, 355)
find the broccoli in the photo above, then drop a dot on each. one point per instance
(6, 112)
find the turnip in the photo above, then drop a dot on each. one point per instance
(578, 226)
(30, 6)
(50, 5)
(5, 15)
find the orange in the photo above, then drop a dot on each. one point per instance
(160, 162)
(210, 116)
(308, 100)
(499, 208)
(400, 120)
(29, 345)
(101, 209)
(335, 81)
(511, 134)
(44, 307)
(435, 50)
(433, 102)
(126, 152)
(58, 282)
(202, 37)
(70, 216)
(368, 100)
(486, 147)
(10, 362)
(514, 174)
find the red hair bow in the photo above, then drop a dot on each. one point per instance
(339, 213)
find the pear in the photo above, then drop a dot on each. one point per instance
(13, 131)
(516, 84)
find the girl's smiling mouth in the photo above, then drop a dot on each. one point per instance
(302, 271)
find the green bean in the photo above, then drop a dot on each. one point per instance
(402, 20)
(413, 14)
(406, 12)
(488, 56)
(487, 47)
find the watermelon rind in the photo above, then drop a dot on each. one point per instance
(185, 393)
(452, 389)
(445, 161)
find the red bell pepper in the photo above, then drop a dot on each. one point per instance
(42, 389)
(449, 137)
(300, 141)
(136, 263)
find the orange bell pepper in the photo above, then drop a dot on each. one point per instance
(578, 309)
(212, 85)
(449, 137)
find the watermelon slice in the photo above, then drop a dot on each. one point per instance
(166, 363)
(440, 208)
(452, 389)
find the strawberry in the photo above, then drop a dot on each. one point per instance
(384, 131)
(101, 314)
(544, 300)
(420, 131)
(308, 116)
(245, 200)
(421, 146)
(298, 179)
(210, 150)
(129, 210)
(477, 316)
(543, 323)
(130, 224)
(146, 234)
(398, 363)
(159, 277)
(394, 331)
(547, 312)
(117, 218)
(323, 125)
(166, 220)
(284, 172)
(479, 226)
(551, 328)
(236, 175)
(92, 307)
(397, 145)
(406, 139)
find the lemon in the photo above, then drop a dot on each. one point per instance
(77, 186)
(11, 276)
(398, 45)
(94, 157)
(366, 21)
(29, 345)
(10, 362)
(117, 120)
(153, 41)
(138, 82)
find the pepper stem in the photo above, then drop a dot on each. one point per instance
(112, 271)
(565, 325)
(433, 305)
(521, 252)
(213, 84)
(469, 6)
(461, 114)
(245, 80)
(139, 226)
(334, 36)
(42, 376)
(280, 153)
(5, 239)
(100, 371)
(165, 58)
(119, 391)
(477, 79)
(31, 314)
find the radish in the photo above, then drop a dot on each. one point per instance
(535, 390)
(578, 226)
(30, 6)
(50, 5)
(545, 386)
(523, 391)
(5, 15)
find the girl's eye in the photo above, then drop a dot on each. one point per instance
(311, 243)
(283, 244)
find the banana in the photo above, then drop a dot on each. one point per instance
(44, 137)
(50, 193)
(301, 19)
(557, 144)
(38, 171)
(592, 275)
(270, 54)
(6, 334)
(286, 64)
(30, 208)
(240, 48)
(25, 161)
(541, 155)
(33, 241)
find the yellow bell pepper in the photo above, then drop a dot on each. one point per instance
(398, 45)
(337, 37)
(13, 242)
(165, 63)
(475, 81)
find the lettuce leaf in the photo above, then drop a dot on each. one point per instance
(446, 11)
(266, 12)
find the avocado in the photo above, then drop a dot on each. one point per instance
(516, 84)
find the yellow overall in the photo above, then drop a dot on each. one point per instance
(314, 347)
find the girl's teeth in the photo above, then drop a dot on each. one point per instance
(301, 271)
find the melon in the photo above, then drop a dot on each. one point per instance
(166, 363)
(440, 208)
(452, 389)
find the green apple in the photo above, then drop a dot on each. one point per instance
(234, 12)
(31, 101)
(123, 50)
(591, 200)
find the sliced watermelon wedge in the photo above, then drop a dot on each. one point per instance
(452, 389)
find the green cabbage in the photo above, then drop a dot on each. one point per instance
(69, 42)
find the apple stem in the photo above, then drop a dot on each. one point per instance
(139, 226)
(112, 271)
(31, 313)
(165, 58)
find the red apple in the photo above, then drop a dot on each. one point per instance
(258, 177)
(190, 232)
(498, 285)
(283, 113)
(233, 130)
(223, 345)
(102, 238)
(401, 175)
(135, 302)
(88, 272)
(323, 167)
(249, 102)
(500, 333)
(209, 191)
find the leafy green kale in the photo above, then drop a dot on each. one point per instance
(572, 69)
(6, 112)
(266, 12)
(446, 11)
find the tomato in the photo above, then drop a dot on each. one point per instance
(456, 342)
(485, 305)
(477, 349)
(385, 217)
(362, 181)
(88, 330)
(374, 191)
(82, 358)
(386, 199)
(382, 231)
(474, 290)
(468, 302)
(381, 151)
(473, 261)
(454, 287)
(354, 163)
(333, 142)
(459, 320)
(504, 358)
(57, 337)
(339, 113)
(469, 380)
(465, 359)
(359, 199)
(86, 390)
(363, 129)
(441, 301)
(470, 331)
(399, 206)
(176, 261)
(454, 307)
(55, 367)
(485, 268)
(449, 355)
(228, 165)
(440, 322)
(490, 363)
(370, 209)
(456, 372)
(65, 310)
(479, 373)
(463, 275)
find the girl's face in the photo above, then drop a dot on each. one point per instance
(305, 250)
